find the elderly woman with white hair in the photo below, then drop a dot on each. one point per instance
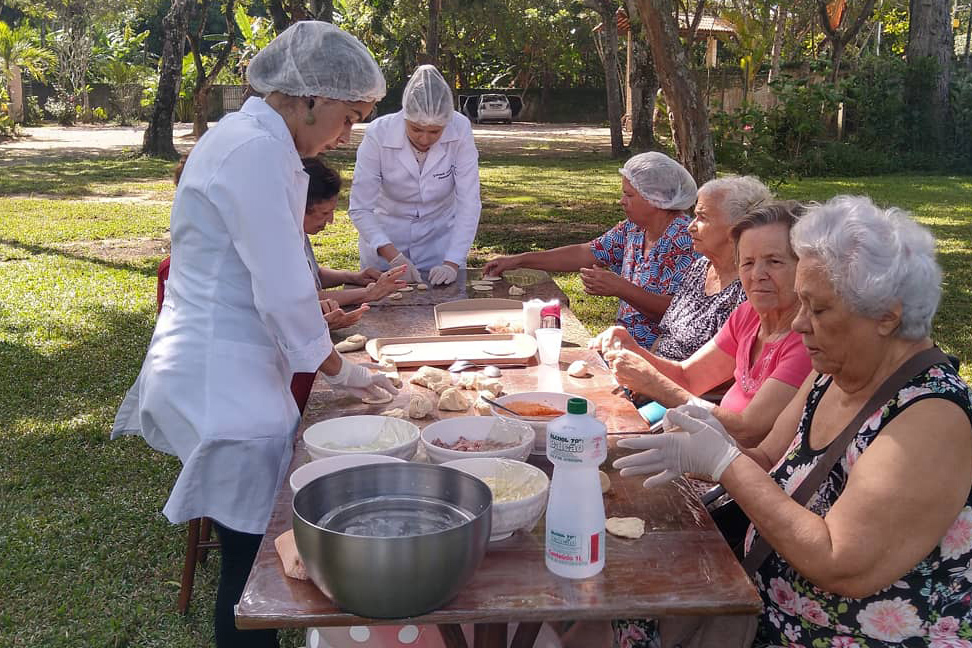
(879, 436)
(642, 260)
(241, 312)
(415, 193)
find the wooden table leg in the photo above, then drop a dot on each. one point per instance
(526, 635)
(452, 636)
(489, 635)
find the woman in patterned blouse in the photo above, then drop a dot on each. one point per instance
(882, 553)
(755, 348)
(641, 260)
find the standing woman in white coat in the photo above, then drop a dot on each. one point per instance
(240, 314)
(415, 193)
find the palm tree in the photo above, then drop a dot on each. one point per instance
(18, 50)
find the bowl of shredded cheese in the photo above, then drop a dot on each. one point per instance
(519, 492)
(381, 435)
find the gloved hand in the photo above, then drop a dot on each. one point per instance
(697, 448)
(412, 274)
(441, 275)
(359, 381)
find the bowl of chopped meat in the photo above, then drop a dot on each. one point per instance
(477, 436)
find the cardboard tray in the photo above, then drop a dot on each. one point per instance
(474, 315)
(497, 349)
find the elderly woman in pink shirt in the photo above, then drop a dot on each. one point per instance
(756, 347)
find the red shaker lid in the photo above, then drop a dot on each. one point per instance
(553, 309)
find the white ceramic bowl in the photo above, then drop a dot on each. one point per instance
(474, 428)
(362, 435)
(327, 465)
(550, 399)
(523, 513)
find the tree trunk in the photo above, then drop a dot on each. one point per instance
(644, 87)
(930, 38)
(15, 87)
(200, 110)
(158, 136)
(690, 123)
(609, 58)
(777, 53)
(432, 40)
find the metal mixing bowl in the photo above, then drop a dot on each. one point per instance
(392, 577)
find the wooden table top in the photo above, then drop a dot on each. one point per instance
(680, 566)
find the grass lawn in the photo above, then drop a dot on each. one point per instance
(86, 558)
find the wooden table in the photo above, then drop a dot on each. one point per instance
(680, 566)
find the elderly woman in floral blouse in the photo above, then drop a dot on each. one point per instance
(882, 554)
(641, 260)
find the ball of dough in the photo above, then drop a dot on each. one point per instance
(395, 295)
(405, 289)
(492, 371)
(419, 406)
(605, 481)
(482, 407)
(516, 291)
(421, 287)
(579, 369)
(626, 527)
(427, 376)
(453, 400)
(351, 343)
(397, 412)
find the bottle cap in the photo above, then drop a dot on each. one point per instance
(577, 406)
(551, 309)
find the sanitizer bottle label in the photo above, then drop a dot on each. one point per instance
(569, 549)
(576, 449)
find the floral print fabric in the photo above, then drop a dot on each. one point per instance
(929, 606)
(660, 271)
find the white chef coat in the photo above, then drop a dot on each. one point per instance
(430, 215)
(240, 317)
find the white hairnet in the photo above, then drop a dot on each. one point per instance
(427, 98)
(316, 59)
(661, 180)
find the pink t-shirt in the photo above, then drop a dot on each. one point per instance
(785, 360)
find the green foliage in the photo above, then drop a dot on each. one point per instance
(885, 127)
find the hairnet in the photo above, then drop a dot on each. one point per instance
(316, 59)
(660, 180)
(427, 98)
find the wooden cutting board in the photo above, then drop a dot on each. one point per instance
(498, 349)
(474, 315)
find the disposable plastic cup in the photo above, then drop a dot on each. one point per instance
(548, 345)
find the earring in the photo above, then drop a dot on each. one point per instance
(310, 120)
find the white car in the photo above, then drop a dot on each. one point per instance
(494, 107)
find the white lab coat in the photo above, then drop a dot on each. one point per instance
(430, 216)
(240, 316)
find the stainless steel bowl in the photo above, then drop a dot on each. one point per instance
(392, 577)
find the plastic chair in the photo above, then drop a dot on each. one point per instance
(200, 530)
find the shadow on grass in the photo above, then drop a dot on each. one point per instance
(77, 177)
(146, 267)
(88, 374)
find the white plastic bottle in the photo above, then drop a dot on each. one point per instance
(576, 445)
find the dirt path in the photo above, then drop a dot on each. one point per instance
(48, 143)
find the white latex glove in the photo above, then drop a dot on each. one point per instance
(359, 381)
(697, 448)
(441, 275)
(700, 403)
(412, 274)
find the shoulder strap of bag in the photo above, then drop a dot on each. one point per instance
(908, 370)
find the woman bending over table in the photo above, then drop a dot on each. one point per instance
(755, 347)
(241, 313)
(880, 556)
(711, 289)
(642, 260)
(415, 194)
